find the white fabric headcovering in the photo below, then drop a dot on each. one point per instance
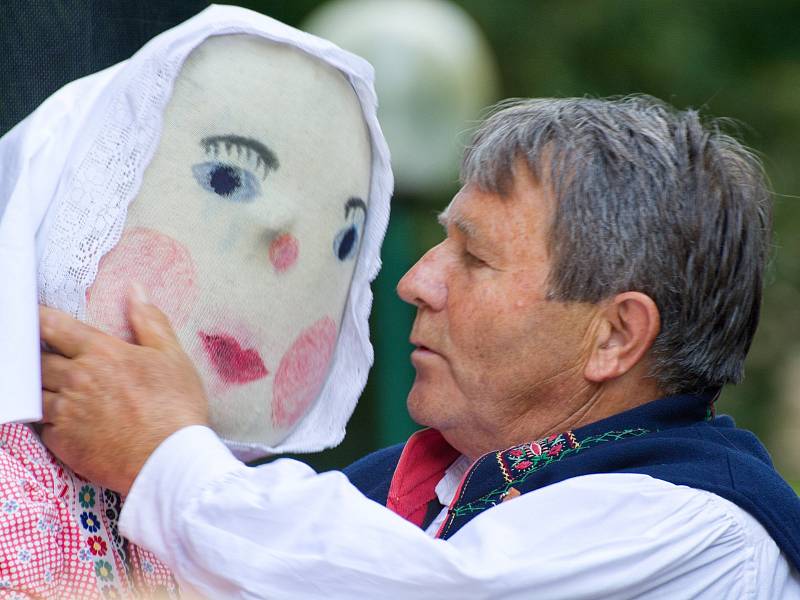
(69, 171)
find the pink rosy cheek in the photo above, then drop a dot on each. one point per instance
(283, 252)
(301, 373)
(160, 264)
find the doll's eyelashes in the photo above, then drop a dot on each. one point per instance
(346, 241)
(234, 166)
(241, 148)
(227, 181)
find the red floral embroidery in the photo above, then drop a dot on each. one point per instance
(555, 450)
(523, 464)
(553, 436)
(97, 545)
(536, 449)
(516, 453)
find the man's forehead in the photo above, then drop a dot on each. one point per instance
(472, 211)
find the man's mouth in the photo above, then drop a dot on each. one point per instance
(419, 346)
(233, 363)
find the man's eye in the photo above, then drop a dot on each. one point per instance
(227, 181)
(472, 260)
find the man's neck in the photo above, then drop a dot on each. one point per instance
(585, 406)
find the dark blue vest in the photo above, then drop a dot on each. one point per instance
(675, 439)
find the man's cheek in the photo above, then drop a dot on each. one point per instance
(160, 264)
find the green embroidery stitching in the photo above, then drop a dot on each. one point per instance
(538, 462)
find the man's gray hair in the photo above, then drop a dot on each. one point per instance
(648, 199)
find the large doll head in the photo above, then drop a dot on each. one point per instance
(246, 228)
(242, 206)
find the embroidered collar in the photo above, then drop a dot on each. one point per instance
(675, 439)
(427, 455)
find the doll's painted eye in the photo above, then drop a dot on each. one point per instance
(227, 181)
(346, 241)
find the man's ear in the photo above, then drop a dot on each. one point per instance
(626, 329)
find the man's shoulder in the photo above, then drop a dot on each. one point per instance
(372, 474)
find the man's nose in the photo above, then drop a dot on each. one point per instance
(424, 284)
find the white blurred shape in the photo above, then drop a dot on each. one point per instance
(434, 74)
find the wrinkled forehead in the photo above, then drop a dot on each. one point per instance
(297, 115)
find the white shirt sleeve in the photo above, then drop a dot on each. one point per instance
(282, 531)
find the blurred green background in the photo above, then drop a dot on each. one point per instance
(738, 59)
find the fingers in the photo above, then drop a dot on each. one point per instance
(50, 406)
(56, 372)
(149, 324)
(47, 433)
(60, 331)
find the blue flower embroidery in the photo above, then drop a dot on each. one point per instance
(90, 521)
(10, 506)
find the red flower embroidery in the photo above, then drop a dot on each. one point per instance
(523, 464)
(536, 448)
(96, 545)
(516, 452)
(555, 450)
(552, 437)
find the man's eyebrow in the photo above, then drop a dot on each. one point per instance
(264, 156)
(465, 226)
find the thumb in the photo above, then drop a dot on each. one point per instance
(150, 326)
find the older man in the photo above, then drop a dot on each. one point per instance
(599, 283)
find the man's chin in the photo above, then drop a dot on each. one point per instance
(418, 405)
(428, 405)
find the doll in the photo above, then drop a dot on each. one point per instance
(234, 169)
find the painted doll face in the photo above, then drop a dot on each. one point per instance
(246, 229)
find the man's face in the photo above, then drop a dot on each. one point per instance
(491, 351)
(246, 229)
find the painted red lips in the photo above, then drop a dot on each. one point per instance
(233, 363)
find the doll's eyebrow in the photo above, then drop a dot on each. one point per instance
(352, 204)
(264, 156)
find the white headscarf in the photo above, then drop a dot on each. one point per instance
(69, 171)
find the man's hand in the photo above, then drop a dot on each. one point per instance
(108, 404)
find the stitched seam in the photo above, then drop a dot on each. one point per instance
(450, 513)
(506, 474)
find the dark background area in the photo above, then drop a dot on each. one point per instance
(738, 59)
(47, 43)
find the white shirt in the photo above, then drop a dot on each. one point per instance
(446, 490)
(283, 531)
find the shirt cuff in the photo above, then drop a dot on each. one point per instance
(176, 472)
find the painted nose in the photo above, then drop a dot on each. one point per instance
(424, 284)
(283, 252)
